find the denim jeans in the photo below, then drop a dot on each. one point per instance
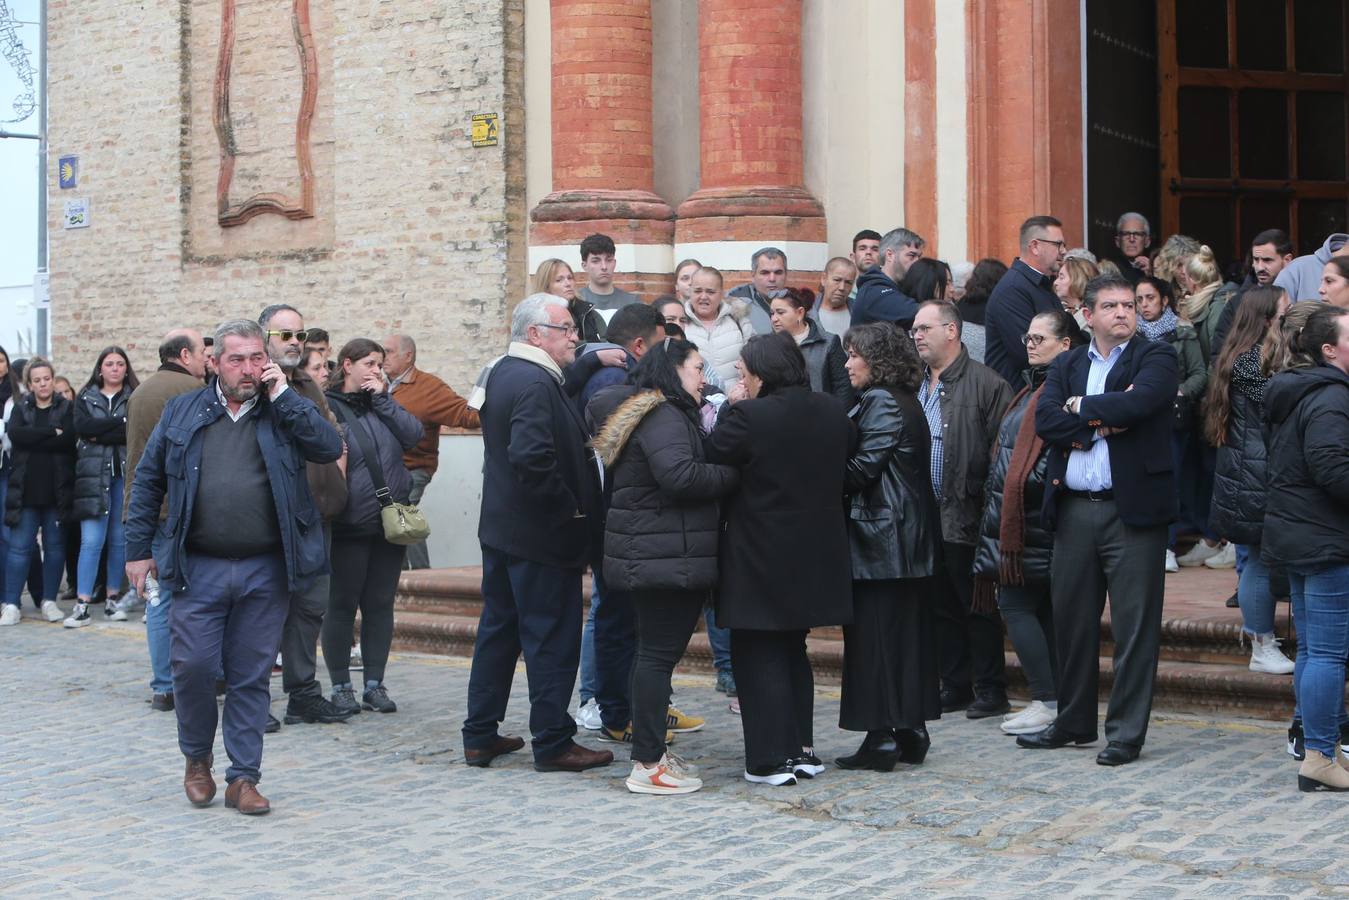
(93, 533)
(1321, 612)
(1253, 594)
(22, 546)
(587, 692)
(719, 639)
(157, 627)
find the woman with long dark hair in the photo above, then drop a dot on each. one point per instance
(791, 445)
(1234, 422)
(100, 463)
(660, 540)
(365, 566)
(890, 682)
(974, 302)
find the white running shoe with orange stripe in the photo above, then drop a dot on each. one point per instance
(669, 776)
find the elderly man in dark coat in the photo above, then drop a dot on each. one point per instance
(539, 525)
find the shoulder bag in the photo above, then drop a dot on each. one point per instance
(403, 523)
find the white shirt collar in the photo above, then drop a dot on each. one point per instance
(243, 409)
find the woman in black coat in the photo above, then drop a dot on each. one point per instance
(41, 478)
(791, 445)
(660, 540)
(1307, 528)
(1015, 552)
(890, 682)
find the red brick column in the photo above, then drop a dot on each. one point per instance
(603, 178)
(749, 82)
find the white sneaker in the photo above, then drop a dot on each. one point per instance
(669, 776)
(1171, 564)
(588, 716)
(79, 616)
(1033, 719)
(1226, 558)
(112, 612)
(1267, 657)
(51, 612)
(10, 615)
(1197, 554)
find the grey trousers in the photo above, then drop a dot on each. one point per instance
(1096, 554)
(418, 557)
(300, 637)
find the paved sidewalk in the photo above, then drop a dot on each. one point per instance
(92, 805)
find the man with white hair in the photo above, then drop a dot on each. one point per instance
(540, 520)
(1133, 236)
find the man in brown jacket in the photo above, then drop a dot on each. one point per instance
(435, 404)
(328, 483)
(182, 366)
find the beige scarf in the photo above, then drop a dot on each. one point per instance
(519, 350)
(1194, 306)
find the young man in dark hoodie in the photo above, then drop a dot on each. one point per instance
(879, 298)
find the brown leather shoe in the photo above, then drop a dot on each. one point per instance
(198, 783)
(500, 747)
(243, 795)
(575, 759)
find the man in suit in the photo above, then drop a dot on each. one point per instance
(1022, 294)
(1105, 411)
(540, 520)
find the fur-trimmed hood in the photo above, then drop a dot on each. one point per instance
(613, 437)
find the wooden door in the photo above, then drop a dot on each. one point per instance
(1254, 122)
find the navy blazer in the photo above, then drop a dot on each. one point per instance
(1140, 395)
(541, 488)
(1019, 296)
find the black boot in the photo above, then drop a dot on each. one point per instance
(877, 753)
(913, 744)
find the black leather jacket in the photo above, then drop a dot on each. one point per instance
(894, 528)
(1038, 554)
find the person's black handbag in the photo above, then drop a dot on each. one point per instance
(403, 523)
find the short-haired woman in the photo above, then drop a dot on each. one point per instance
(365, 566)
(714, 326)
(1307, 530)
(824, 354)
(556, 277)
(791, 445)
(890, 682)
(660, 540)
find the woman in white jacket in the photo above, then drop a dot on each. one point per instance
(719, 329)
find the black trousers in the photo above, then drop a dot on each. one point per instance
(300, 637)
(889, 659)
(1096, 554)
(365, 577)
(777, 694)
(970, 643)
(665, 622)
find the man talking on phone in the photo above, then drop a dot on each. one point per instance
(242, 535)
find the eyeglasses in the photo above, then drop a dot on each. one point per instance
(1062, 245)
(924, 329)
(1033, 340)
(287, 335)
(568, 330)
(1131, 234)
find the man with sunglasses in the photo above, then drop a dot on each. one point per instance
(1022, 294)
(286, 334)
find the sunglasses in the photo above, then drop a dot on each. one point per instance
(287, 335)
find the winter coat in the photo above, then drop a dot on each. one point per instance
(784, 562)
(1307, 499)
(1038, 554)
(662, 526)
(100, 424)
(752, 307)
(825, 362)
(879, 299)
(590, 325)
(1238, 508)
(1019, 296)
(392, 431)
(721, 343)
(28, 440)
(1192, 366)
(894, 527)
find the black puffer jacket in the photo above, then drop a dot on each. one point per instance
(1238, 510)
(1307, 504)
(100, 454)
(1038, 555)
(28, 440)
(825, 361)
(894, 528)
(662, 528)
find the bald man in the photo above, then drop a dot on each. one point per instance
(182, 368)
(434, 403)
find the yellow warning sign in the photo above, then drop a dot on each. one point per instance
(485, 129)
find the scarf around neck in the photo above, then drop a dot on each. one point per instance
(517, 350)
(1158, 330)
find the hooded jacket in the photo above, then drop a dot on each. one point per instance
(661, 530)
(1301, 278)
(879, 299)
(1306, 523)
(721, 342)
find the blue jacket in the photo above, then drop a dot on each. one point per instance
(879, 299)
(290, 431)
(1019, 296)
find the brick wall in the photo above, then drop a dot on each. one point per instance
(414, 230)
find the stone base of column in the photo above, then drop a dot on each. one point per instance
(639, 222)
(723, 227)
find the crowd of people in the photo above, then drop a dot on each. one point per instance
(960, 451)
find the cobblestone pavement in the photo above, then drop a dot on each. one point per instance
(92, 804)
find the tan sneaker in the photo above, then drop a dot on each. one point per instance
(668, 776)
(679, 723)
